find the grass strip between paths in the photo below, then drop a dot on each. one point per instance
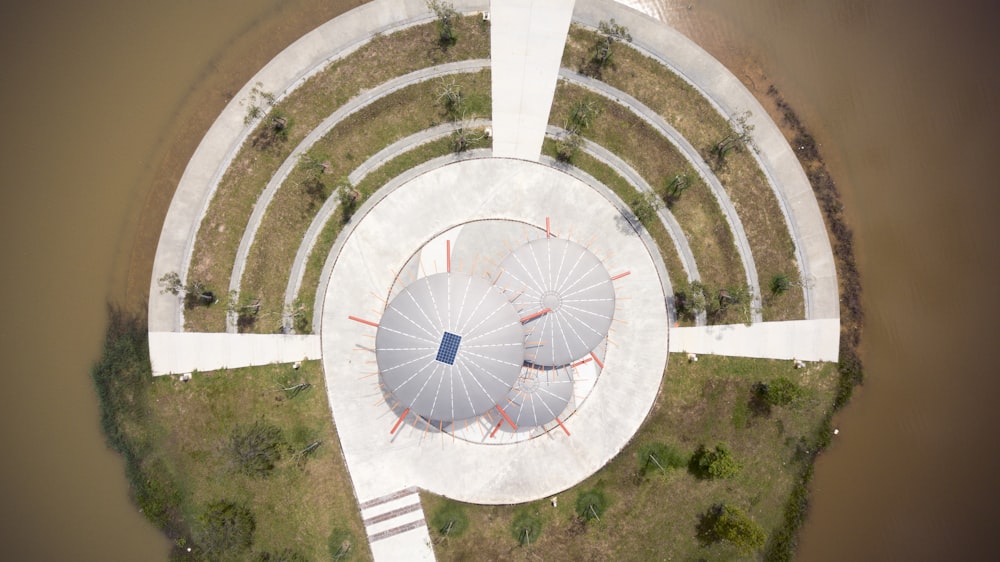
(693, 116)
(383, 58)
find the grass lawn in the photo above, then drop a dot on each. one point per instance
(382, 59)
(619, 130)
(371, 183)
(304, 503)
(620, 186)
(655, 516)
(344, 148)
(694, 117)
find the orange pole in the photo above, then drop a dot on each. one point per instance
(558, 421)
(504, 414)
(599, 364)
(578, 363)
(620, 275)
(362, 320)
(399, 421)
(497, 428)
(447, 249)
(548, 228)
(536, 315)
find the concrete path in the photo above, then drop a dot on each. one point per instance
(393, 184)
(325, 212)
(289, 69)
(173, 353)
(526, 44)
(363, 273)
(364, 261)
(807, 340)
(780, 165)
(691, 154)
(343, 112)
(395, 526)
(630, 175)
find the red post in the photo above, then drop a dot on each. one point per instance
(362, 320)
(399, 421)
(548, 228)
(536, 315)
(620, 275)
(504, 414)
(495, 429)
(599, 364)
(581, 362)
(558, 421)
(447, 249)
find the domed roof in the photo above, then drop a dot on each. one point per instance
(539, 396)
(571, 283)
(449, 347)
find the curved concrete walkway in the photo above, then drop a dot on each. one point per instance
(289, 69)
(633, 177)
(330, 205)
(390, 469)
(780, 165)
(691, 154)
(343, 112)
(363, 272)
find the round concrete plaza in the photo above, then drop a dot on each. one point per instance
(365, 270)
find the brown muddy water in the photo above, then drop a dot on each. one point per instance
(106, 100)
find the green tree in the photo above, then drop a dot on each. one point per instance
(782, 391)
(739, 134)
(724, 522)
(608, 33)
(645, 205)
(567, 146)
(676, 186)
(466, 138)
(255, 448)
(714, 463)
(446, 19)
(195, 293)
(738, 298)
(450, 97)
(691, 300)
(590, 504)
(780, 283)
(348, 196)
(526, 528)
(450, 520)
(659, 457)
(244, 309)
(226, 529)
(582, 114)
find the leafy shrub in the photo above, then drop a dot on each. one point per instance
(590, 504)
(526, 528)
(255, 448)
(714, 463)
(659, 457)
(450, 520)
(226, 528)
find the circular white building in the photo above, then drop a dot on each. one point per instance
(564, 294)
(449, 347)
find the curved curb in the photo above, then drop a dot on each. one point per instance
(324, 214)
(343, 112)
(366, 207)
(779, 163)
(690, 154)
(334, 39)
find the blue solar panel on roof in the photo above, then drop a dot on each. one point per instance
(448, 348)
